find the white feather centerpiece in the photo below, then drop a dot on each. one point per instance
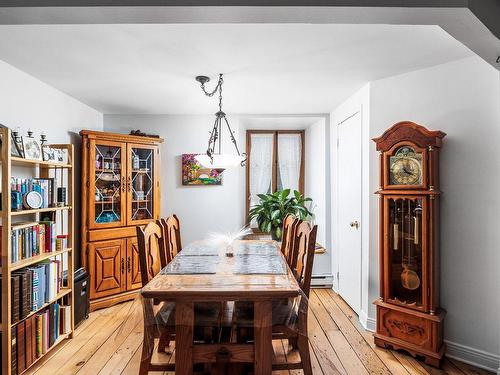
(227, 238)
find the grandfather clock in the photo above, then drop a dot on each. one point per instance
(408, 312)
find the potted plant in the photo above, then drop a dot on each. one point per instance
(273, 208)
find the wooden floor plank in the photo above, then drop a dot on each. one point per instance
(102, 355)
(348, 357)
(327, 357)
(110, 342)
(363, 350)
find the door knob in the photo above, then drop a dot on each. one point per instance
(354, 224)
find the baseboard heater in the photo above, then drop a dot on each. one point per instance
(322, 281)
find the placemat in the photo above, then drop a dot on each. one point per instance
(191, 265)
(259, 265)
(199, 250)
(258, 248)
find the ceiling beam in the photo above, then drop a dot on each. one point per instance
(472, 22)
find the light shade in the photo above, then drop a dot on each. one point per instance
(220, 161)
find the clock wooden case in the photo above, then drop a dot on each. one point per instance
(120, 190)
(408, 313)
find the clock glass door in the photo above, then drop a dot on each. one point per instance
(405, 251)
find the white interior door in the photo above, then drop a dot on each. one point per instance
(349, 211)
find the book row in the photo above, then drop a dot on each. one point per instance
(22, 186)
(32, 338)
(35, 286)
(32, 239)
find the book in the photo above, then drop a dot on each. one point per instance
(29, 343)
(39, 329)
(33, 337)
(21, 347)
(15, 295)
(51, 329)
(13, 351)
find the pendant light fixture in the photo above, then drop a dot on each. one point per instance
(214, 158)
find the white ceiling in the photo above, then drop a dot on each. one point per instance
(269, 68)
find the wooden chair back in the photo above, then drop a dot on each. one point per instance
(304, 244)
(151, 251)
(288, 236)
(172, 230)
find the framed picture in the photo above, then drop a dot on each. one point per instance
(48, 153)
(14, 147)
(32, 149)
(194, 174)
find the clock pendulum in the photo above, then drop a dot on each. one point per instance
(409, 277)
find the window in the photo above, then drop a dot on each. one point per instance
(275, 162)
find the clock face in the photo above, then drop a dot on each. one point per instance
(405, 167)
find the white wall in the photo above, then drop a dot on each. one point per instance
(462, 99)
(316, 178)
(28, 103)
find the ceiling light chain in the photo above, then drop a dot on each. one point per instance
(214, 158)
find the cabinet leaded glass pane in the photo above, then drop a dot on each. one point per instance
(107, 182)
(142, 184)
(405, 250)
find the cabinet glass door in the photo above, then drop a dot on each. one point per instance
(141, 183)
(107, 188)
(406, 251)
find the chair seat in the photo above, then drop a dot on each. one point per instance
(205, 314)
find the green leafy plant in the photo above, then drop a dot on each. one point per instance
(273, 208)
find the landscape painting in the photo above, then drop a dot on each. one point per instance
(194, 174)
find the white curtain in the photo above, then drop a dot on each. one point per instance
(261, 165)
(289, 159)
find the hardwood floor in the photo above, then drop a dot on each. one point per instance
(110, 342)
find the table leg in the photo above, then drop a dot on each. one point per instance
(263, 320)
(184, 322)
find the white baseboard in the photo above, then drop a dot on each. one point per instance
(472, 356)
(322, 281)
(370, 324)
(463, 353)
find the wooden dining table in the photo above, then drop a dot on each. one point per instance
(249, 270)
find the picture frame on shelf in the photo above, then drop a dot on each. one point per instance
(14, 147)
(48, 153)
(32, 149)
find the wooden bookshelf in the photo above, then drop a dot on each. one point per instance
(41, 169)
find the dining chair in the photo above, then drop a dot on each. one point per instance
(289, 319)
(172, 230)
(290, 223)
(161, 323)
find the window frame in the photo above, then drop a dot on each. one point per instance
(274, 173)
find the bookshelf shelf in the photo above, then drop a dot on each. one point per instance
(11, 167)
(39, 210)
(36, 259)
(16, 161)
(62, 293)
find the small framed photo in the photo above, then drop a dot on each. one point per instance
(48, 153)
(14, 147)
(32, 149)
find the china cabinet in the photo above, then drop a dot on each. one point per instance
(120, 189)
(408, 313)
